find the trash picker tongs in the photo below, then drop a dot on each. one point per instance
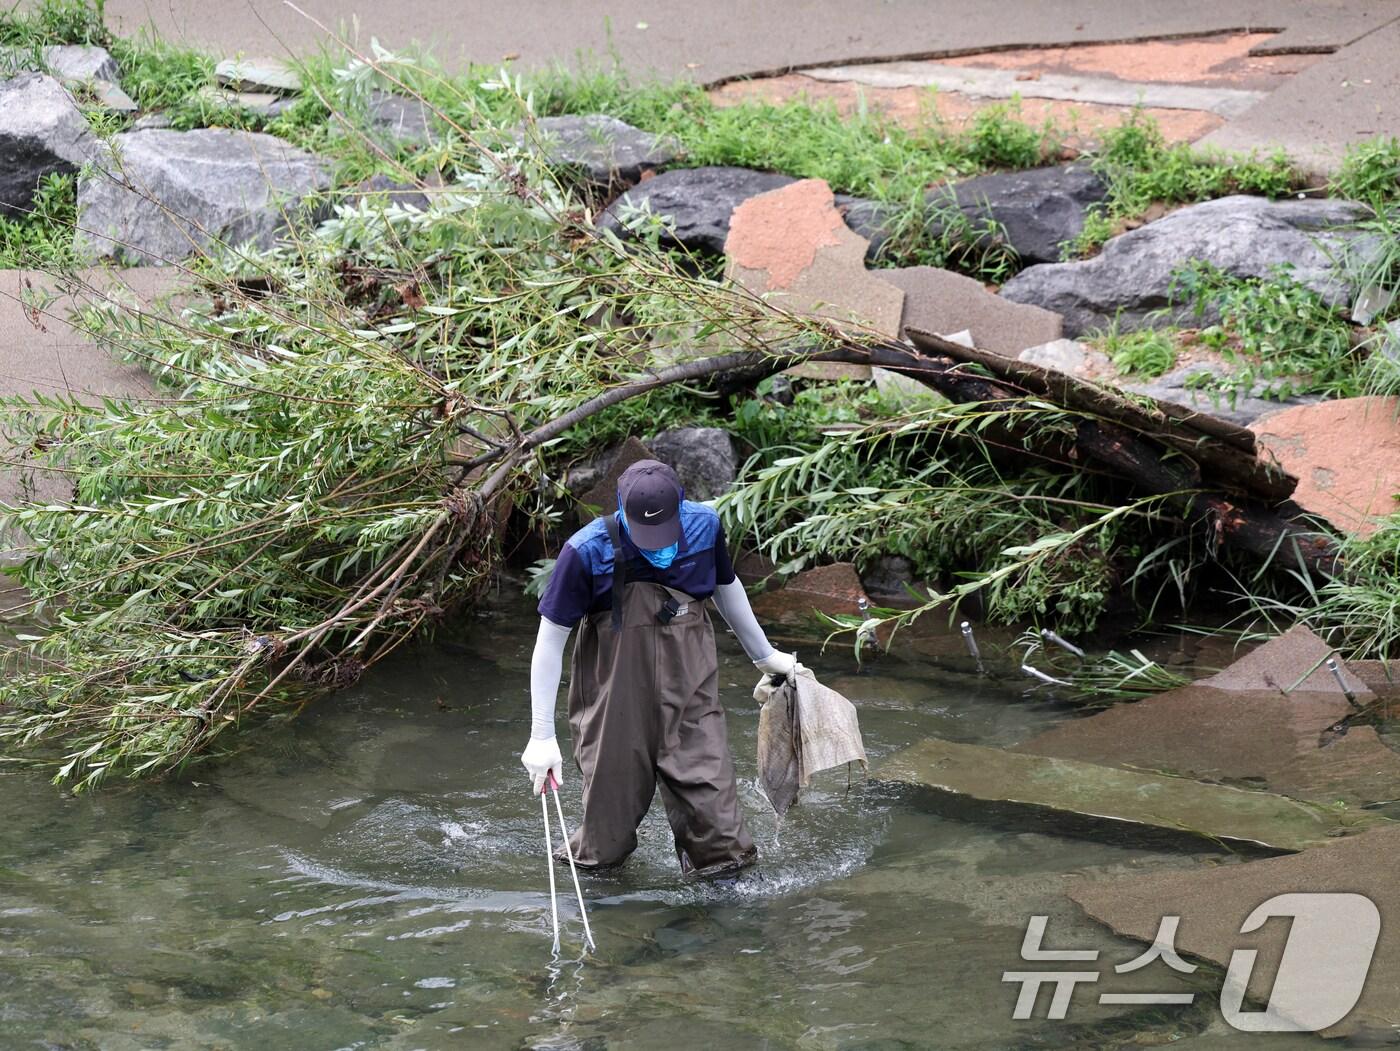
(550, 785)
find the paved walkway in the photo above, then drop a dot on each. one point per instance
(1349, 95)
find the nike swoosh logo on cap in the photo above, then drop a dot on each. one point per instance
(651, 514)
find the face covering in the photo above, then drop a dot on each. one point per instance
(661, 559)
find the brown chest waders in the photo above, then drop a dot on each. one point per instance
(644, 711)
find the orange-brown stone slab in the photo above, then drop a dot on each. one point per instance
(1345, 455)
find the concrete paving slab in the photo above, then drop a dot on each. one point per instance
(938, 300)
(724, 38)
(1344, 24)
(1214, 903)
(1006, 83)
(1227, 60)
(1260, 740)
(1078, 798)
(1347, 97)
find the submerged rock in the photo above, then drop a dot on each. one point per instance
(1245, 237)
(1078, 798)
(161, 195)
(608, 151)
(835, 589)
(1035, 211)
(702, 457)
(1264, 722)
(938, 300)
(42, 133)
(1295, 661)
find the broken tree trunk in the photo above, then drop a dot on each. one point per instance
(1157, 446)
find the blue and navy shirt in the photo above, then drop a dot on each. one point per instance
(582, 579)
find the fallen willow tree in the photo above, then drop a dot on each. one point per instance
(354, 416)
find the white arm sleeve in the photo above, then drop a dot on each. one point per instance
(546, 667)
(732, 601)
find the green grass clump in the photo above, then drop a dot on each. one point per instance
(42, 238)
(1281, 336)
(1370, 172)
(1147, 352)
(1141, 168)
(158, 75)
(54, 22)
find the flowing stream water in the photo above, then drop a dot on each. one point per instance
(372, 876)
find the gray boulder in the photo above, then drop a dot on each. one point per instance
(697, 204)
(1240, 408)
(258, 74)
(1066, 355)
(158, 196)
(608, 151)
(392, 191)
(703, 457)
(1036, 210)
(81, 62)
(1245, 237)
(41, 133)
(400, 119)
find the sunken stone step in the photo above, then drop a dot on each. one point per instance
(1214, 903)
(1077, 798)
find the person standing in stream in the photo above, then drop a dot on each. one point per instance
(644, 688)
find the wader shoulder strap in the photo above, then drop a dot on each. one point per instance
(619, 580)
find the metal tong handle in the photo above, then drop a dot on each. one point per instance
(549, 863)
(552, 785)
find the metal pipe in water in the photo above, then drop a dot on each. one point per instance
(1064, 644)
(1336, 671)
(971, 641)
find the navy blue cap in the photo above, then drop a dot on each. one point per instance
(650, 494)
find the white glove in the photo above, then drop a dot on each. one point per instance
(778, 663)
(541, 757)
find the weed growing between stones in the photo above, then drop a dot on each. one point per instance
(1142, 169)
(1280, 337)
(1370, 172)
(43, 237)
(1146, 352)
